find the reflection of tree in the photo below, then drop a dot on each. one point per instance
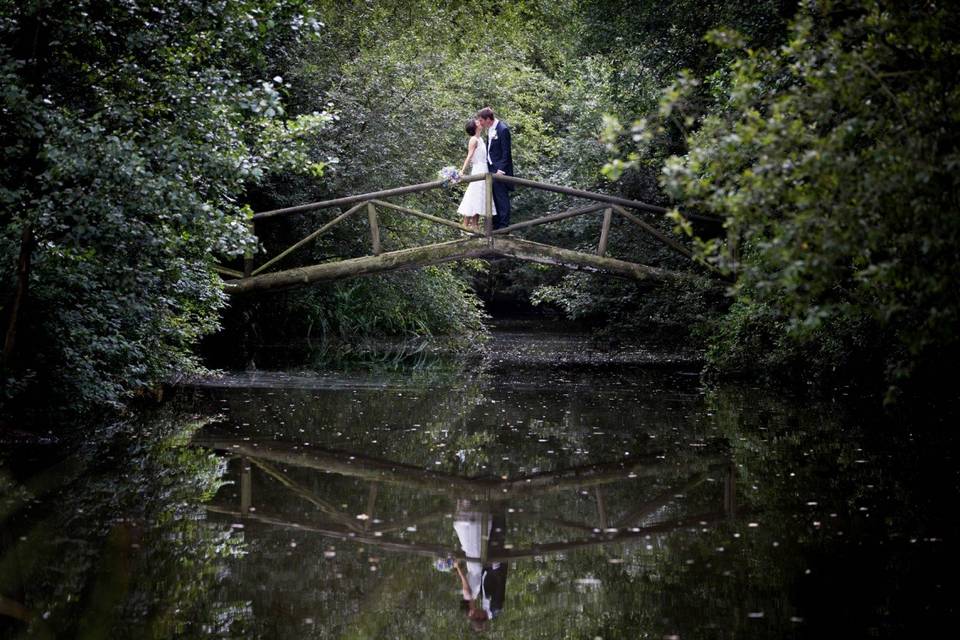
(368, 575)
(120, 547)
(675, 564)
(843, 488)
(601, 543)
(638, 544)
(473, 427)
(373, 416)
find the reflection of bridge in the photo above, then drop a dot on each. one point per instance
(333, 522)
(476, 244)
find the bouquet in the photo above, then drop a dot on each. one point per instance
(449, 175)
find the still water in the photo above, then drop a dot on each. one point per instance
(617, 501)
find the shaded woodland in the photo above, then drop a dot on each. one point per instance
(139, 138)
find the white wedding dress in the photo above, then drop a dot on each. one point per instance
(475, 199)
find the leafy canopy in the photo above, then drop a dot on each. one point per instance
(833, 160)
(130, 132)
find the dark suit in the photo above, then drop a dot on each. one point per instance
(500, 158)
(493, 583)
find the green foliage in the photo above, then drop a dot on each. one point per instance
(651, 44)
(627, 53)
(129, 133)
(621, 311)
(434, 302)
(122, 547)
(753, 338)
(137, 140)
(833, 161)
(402, 79)
(404, 76)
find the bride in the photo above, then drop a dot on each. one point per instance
(474, 203)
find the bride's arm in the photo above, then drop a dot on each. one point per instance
(471, 149)
(464, 583)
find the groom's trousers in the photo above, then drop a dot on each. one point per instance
(501, 200)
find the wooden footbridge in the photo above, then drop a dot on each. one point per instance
(471, 243)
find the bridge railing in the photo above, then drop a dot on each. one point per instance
(607, 204)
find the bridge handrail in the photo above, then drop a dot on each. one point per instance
(363, 197)
(427, 186)
(340, 218)
(602, 202)
(554, 217)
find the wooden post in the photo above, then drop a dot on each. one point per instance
(485, 521)
(328, 509)
(488, 208)
(315, 234)
(553, 217)
(601, 509)
(247, 263)
(604, 231)
(670, 242)
(245, 486)
(371, 503)
(374, 228)
(233, 273)
(248, 254)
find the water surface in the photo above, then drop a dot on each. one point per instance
(613, 501)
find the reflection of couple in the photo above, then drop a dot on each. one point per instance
(491, 155)
(483, 584)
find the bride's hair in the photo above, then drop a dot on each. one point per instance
(471, 127)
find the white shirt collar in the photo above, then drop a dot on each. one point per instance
(493, 128)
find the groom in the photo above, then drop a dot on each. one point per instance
(499, 160)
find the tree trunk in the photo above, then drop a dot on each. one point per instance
(20, 296)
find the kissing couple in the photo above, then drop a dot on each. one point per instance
(488, 151)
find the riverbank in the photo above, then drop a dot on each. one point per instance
(516, 340)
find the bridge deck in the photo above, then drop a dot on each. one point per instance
(474, 247)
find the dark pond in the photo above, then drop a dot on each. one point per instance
(578, 501)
